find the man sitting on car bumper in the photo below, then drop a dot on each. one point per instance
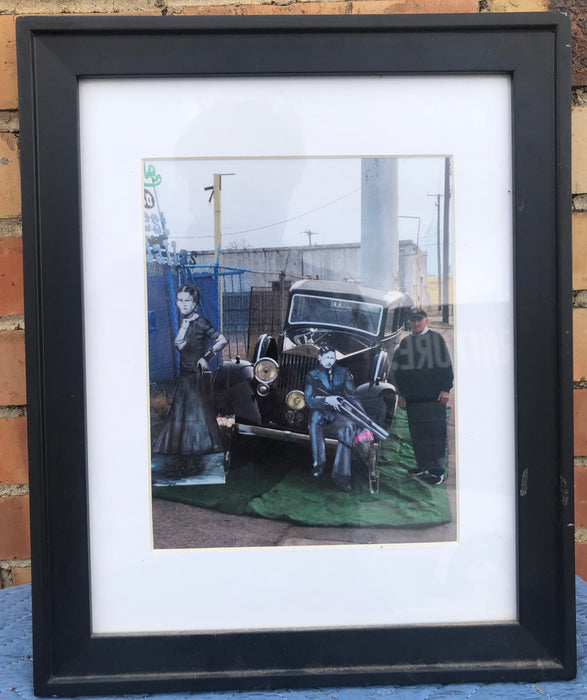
(325, 387)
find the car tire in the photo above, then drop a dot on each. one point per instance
(389, 398)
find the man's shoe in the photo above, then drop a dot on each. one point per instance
(318, 469)
(343, 484)
(434, 479)
(417, 471)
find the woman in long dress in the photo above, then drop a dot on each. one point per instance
(190, 431)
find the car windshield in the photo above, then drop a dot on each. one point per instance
(338, 313)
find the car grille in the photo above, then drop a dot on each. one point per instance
(293, 369)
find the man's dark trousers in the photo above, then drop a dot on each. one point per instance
(428, 430)
(345, 431)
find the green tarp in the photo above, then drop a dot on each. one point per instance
(273, 480)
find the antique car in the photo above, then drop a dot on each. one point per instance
(364, 325)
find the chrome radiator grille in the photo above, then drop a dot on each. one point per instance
(293, 369)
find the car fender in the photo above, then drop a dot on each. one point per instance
(266, 346)
(233, 391)
(379, 401)
(380, 367)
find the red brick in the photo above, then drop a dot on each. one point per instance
(393, 7)
(12, 371)
(361, 7)
(8, 93)
(581, 559)
(9, 177)
(580, 251)
(83, 8)
(13, 451)
(14, 527)
(519, 5)
(20, 575)
(298, 8)
(580, 496)
(579, 150)
(580, 423)
(579, 344)
(11, 300)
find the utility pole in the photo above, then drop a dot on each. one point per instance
(439, 276)
(443, 276)
(445, 243)
(439, 271)
(216, 195)
(310, 234)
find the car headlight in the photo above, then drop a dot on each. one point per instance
(263, 389)
(295, 400)
(266, 370)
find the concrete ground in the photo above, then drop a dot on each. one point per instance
(180, 526)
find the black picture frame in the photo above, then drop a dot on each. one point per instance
(534, 50)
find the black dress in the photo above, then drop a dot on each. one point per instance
(190, 426)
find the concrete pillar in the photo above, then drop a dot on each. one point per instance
(379, 223)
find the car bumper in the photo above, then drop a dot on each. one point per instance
(276, 434)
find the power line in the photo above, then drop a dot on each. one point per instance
(277, 223)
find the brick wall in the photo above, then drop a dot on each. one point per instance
(14, 529)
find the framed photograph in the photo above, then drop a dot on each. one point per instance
(298, 316)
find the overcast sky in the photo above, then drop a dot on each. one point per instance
(274, 202)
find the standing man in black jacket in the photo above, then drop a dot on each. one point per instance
(424, 377)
